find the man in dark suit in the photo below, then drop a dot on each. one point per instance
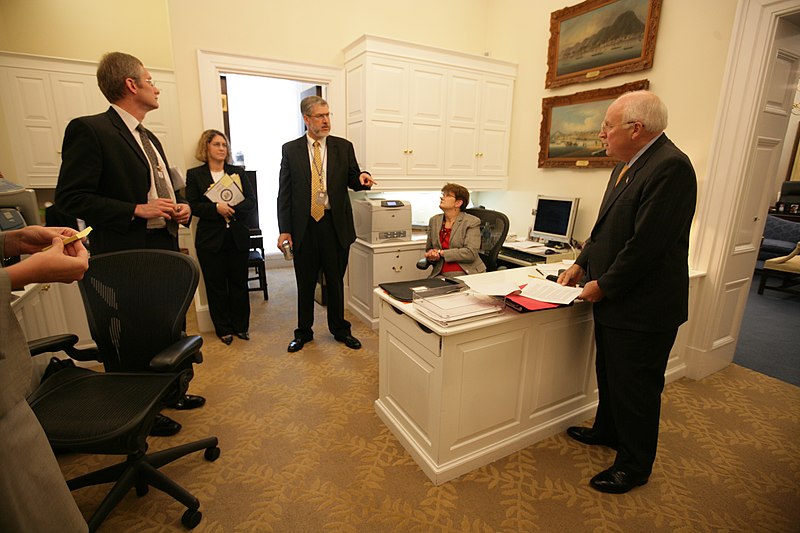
(106, 176)
(316, 219)
(114, 175)
(635, 266)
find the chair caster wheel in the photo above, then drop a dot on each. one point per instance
(191, 518)
(212, 454)
(143, 489)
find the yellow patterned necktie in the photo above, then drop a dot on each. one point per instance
(621, 173)
(317, 209)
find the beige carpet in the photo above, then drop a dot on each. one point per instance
(304, 451)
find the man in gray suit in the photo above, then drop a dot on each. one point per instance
(33, 493)
(635, 265)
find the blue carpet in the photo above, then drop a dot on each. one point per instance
(769, 339)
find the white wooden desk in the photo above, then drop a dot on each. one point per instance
(461, 397)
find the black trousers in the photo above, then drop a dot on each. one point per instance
(320, 250)
(225, 276)
(630, 378)
(160, 239)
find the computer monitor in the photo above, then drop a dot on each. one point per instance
(554, 219)
(21, 199)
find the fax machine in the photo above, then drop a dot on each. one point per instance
(380, 220)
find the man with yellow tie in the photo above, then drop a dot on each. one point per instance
(316, 219)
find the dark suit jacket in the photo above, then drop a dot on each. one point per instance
(103, 175)
(211, 226)
(639, 246)
(294, 189)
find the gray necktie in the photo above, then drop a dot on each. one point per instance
(162, 187)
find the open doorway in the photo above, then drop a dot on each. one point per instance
(262, 113)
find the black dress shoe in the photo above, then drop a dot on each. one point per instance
(349, 341)
(189, 401)
(297, 344)
(243, 335)
(588, 436)
(164, 427)
(616, 481)
(227, 339)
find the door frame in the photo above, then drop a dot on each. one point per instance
(211, 64)
(711, 342)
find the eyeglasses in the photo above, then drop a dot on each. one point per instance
(443, 196)
(321, 116)
(150, 81)
(605, 127)
(219, 144)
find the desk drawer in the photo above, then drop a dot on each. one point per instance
(412, 329)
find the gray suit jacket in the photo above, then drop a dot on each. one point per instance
(465, 241)
(33, 493)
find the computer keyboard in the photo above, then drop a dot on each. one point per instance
(519, 255)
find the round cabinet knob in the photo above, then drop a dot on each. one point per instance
(411, 151)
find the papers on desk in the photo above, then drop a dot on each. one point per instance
(522, 288)
(550, 291)
(454, 305)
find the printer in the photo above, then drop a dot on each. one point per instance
(380, 220)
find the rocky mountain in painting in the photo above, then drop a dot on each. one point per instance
(627, 26)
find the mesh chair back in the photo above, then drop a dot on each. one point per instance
(494, 228)
(136, 303)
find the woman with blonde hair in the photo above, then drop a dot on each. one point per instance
(222, 239)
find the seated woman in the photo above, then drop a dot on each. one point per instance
(454, 237)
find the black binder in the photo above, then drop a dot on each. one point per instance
(401, 290)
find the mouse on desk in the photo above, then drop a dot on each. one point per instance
(550, 251)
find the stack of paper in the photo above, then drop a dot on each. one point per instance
(449, 307)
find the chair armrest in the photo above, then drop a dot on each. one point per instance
(54, 343)
(173, 355)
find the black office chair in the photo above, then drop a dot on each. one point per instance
(136, 303)
(257, 258)
(111, 413)
(494, 229)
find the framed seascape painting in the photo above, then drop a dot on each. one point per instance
(569, 136)
(600, 38)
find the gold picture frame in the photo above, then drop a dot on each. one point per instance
(600, 38)
(568, 137)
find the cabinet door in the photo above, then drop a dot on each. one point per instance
(495, 125)
(75, 95)
(461, 144)
(37, 138)
(387, 112)
(425, 142)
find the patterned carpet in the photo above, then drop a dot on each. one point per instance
(304, 451)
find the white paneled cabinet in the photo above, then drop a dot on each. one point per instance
(478, 125)
(419, 115)
(40, 97)
(373, 264)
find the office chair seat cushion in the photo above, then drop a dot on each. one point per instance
(93, 412)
